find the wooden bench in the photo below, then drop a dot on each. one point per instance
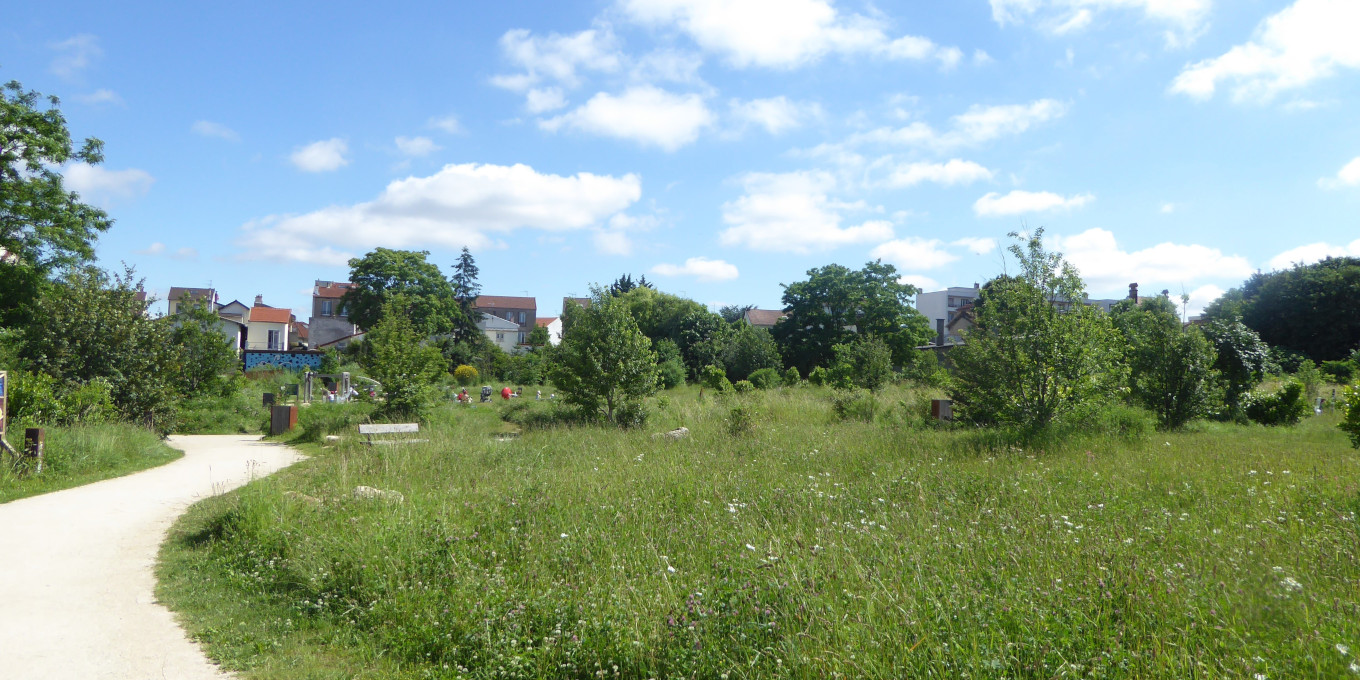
(390, 429)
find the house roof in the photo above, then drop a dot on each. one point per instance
(544, 321)
(300, 328)
(177, 294)
(584, 302)
(495, 323)
(764, 317)
(355, 336)
(330, 289)
(270, 314)
(505, 302)
(233, 302)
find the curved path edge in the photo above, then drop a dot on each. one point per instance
(77, 581)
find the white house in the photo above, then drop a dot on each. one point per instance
(268, 328)
(942, 304)
(554, 326)
(502, 332)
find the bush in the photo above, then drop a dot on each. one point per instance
(1311, 378)
(671, 374)
(857, 404)
(465, 375)
(1350, 419)
(715, 379)
(740, 421)
(765, 378)
(43, 400)
(531, 415)
(791, 377)
(321, 419)
(1339, 372)
(866, 362)
(743, 386)
(1284, 407)
(819, 376)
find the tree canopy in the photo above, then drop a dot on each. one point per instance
(383, 273)
(1312, 308)
(605, 365)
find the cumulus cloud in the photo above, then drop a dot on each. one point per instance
(647, 115)
(323, 156)
(102, 186)
(1202, 297)
(448, 124)
(776, 114)
(208, 128)
(793, 212)
(543, 99)
(186, 253)
(914, 253)
(976, 245)
(1306, 42)
(977, 125)
(1347, 176)
(154, 249)
(75, 54)
(953, 173)
(922, 282)
(555, 57)
(1107, 266)
(1314, 252)
(461, 205)
(700, 268)
(99, 97)
(1185, 19)
(416, 146)
(1019, 202)
(782, 33)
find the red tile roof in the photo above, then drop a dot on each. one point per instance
(763, 317)
(271, 315)
(334, 290)
(505, 302)
(544, 320)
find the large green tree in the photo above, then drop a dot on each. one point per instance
(403, 359)
(1308, 308)
(605, 366)
(43, 227)
(1170, 367)
(384, 273)
(465, 292)
(836, 304)
(1035, 352)
(205, 355)
(1241, 358)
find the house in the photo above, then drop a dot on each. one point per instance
(578, 301)
(520, 311)
(186, 296)
(234, 311)
(763, 318)
(501, 332)
(299, 335)
(329, 324)
(937, 305)
(554, 326)
(268, 327)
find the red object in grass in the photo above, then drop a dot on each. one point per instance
(505, 393)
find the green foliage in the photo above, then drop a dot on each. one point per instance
(539, 337)
(1313, 308)
(465, 289)
(1282, 360)
(605, 365)
(1283, 407)
(330, 360)
(865, 362)
(748, 350)
(1035, 352)
(743, 386)
(41, 223)
(791, 377)
(671, 374)
(835, 303)
(1339, 372)
(40, 399)
(206, 357)
(527, 368)
(819, 376)
(715, 379)
(465, 375)
(1241, 360)
(734, 314)
(854, 404)
(88, 326)
(403, 361)
(740, 421)
(1170, 368)
(766, 378)
(384, 273)
(327, 418)
(538, 415)
(1311, 378)
(84, 453)
(625, 283)
(1350, 417)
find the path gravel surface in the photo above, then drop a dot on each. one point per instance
(76, 567)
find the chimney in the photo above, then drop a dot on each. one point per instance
(1133, 292)
(939, 332)
(975, 286)
(259, 300)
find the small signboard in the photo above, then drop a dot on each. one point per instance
(4, 400)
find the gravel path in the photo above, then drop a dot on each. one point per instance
(76, 583)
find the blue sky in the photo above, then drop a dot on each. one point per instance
(720, 147)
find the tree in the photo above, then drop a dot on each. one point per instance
(835, 304)
(401, 358)
(864, 362)
(539, 337)
(1313, 308)
(1035, 352)
(1241, 361)
(465, 292)
(749, 349)
(205, 354)
(384, 273)
(605, 365)
(625, 283)
(734, 314)
(1170, 367)
(44, 227)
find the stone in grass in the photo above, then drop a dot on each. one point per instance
(673, 435)
(368, 493)
(304, 498)
(332, 438)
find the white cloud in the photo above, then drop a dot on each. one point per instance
(953, 173)
(1168, 208)
(542, 99)
(186, 253)
(1185, 19)
(1202, 297)
(792, 212)
(781, 33)
(100, 96)
(1307, 41)
(1106, 266)
(914, 253)
(613, 242)
(154, 249)
(459, 205)
(1019, 202)
(668, 65)
(1347, 176)
(208, 128)
(557, 57)
(979, 124)
(1313, 252)
(102, 186)
(700, 268)
(75, 54)
(644, 114)
(322, 156)
(776, 114)
(416, 146)
(448, 124)
(976, 245)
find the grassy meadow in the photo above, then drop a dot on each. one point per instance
(782, 541)
(82, 454)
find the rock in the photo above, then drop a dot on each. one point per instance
(309, 500)
(678, 433)
(332, 438)
(368, 493)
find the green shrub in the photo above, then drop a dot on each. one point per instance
(631, 415)
(819, 376)
(1116, 421)
(740, 421)
(1350, 418)
(791, 377)
(465, 375)
(671, 373)
(1311, 378)
(743, 386)
(1339, 372)
(41, 399)
(715, 379)
(854, 404)
(765, 378)
(866, 362)
(321, 419)
(539, 415)
(1284, 407)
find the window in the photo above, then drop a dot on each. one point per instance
(327, 308)
(521, 317)
(500, 337)
(521, 336)
(274, 340)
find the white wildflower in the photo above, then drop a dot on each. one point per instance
(1290, 584)
(1343, 649)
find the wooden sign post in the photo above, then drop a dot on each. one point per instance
(4, 410)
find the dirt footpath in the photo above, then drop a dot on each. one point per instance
(76, 583)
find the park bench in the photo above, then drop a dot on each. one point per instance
(368, 431)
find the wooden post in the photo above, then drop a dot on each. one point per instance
(33, 448)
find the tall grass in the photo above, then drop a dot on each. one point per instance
(809, 547)
(82, 454)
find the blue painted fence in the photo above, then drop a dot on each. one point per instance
(294, 360)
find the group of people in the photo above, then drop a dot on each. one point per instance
(506, 393)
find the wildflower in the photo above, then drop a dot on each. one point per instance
(1355, 667)
(750, 547)
(1290, 584)
(1343, 649)
(670, 569)
(563, 536)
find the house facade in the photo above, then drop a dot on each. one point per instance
(501, 332)
(941, 304)
(268, 327)
(521, 311)
(329, 322)
(554, 326)
(189, 296)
